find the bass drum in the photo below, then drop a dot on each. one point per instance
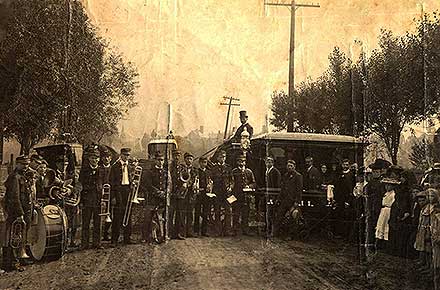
(50, 231)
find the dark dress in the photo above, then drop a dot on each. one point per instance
(400, 230)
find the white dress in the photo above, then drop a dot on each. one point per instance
(382, 227)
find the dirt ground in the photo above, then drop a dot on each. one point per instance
(247, 263)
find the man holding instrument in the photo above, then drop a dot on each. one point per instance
(104, 178)
(153, 185)
(121, 186)
(18, 207)
(91, 201)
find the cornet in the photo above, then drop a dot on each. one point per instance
(106, 203)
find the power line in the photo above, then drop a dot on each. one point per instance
(293, 6)
(229, 104)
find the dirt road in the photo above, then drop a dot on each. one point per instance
(213, 264)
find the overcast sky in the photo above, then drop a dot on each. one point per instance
(191, 53)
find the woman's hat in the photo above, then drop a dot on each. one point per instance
(380, 163)
(391, 180)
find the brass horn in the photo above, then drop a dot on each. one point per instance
(106, 203)
(132, 197)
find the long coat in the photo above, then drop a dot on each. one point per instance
(116, 175)
(18, 201)
(90, 194)
(242, 179)
(273, 178)
(312, 179)
(291, 188)
(221, 177)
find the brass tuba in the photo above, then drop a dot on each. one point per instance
(17, 234)
(132, 197)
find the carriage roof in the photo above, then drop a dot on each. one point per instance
(309, 137)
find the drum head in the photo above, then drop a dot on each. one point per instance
(38, 246)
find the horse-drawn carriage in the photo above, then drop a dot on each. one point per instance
(324, 149)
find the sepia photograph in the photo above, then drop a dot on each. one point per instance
(220, 144)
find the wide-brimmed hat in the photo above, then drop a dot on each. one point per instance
(391, 180)
(395, 169)
(379, 163)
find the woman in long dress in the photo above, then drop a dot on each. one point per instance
(382, 227)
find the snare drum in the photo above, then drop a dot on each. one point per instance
(50, 230)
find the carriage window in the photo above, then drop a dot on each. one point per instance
(277, 152)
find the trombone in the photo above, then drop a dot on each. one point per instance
(132, 197)
(106, 203)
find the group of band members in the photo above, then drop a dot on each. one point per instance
(194, 194)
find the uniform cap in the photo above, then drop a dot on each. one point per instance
(126, 151)
(187, 154)
(23, 159)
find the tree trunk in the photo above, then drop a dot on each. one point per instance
(25, 144)
(2, 140)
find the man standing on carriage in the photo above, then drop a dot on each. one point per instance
(18, 206)
(244, 182)
(91, 200)
(121, 185)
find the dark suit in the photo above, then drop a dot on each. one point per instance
(153, 185)
(221, 176)
(17, 202)
(291, 192)
(91, 205)
(104, 178)
(343, 194)
(249, 128)
(272, 180)
(120, 193)
(203, 203)
(312, 179)
(240, 208)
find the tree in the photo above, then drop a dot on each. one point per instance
(422, 154)
(67, 80)
(331, 104)
(399, 92)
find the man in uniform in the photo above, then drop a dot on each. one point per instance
(121, 186)
(244, 124)
(221, 178)
(91, 200)
(290, 196)
(203, 202)
(18, 206)
(154, 184)
(104, 178)
(244, 182)
(190, 196)
(177, 200)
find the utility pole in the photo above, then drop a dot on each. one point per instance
(229, 104)
(293, 6)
